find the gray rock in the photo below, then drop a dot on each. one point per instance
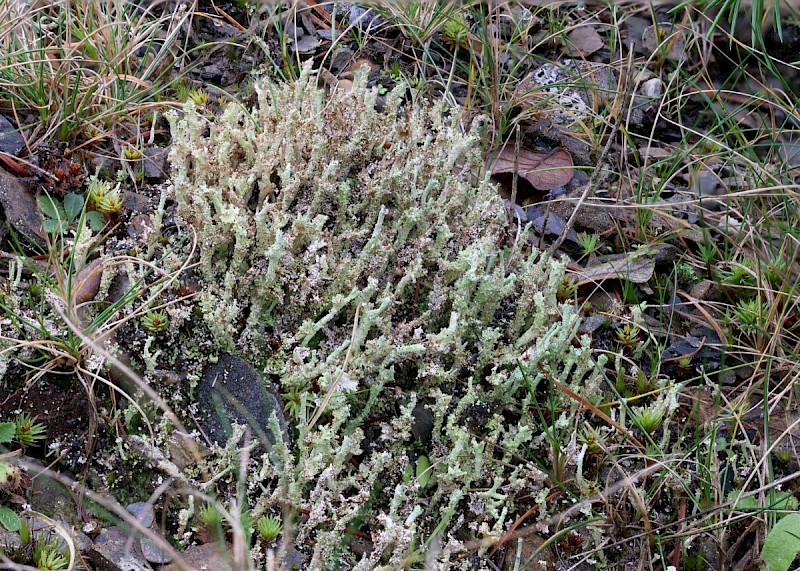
(647, 100)
(592, 324)
(137, 202)
(340, 60)
(10, 540)
(153, 553)
(53, 499)
(364, 18)
(229, 391)
(144, 512)
(11, 140)
(155, 162)
(20, 208)
(706, 290)
(652, 88)
(206, 557)
(115, 550)
(306, 44)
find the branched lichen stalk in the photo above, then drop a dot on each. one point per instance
(308, 207)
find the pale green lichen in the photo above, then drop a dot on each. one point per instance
(309, 210)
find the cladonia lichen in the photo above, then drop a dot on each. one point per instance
(311, 210)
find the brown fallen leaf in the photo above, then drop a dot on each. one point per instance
(584, 41)
(87, 282)
(637, 270)
(545, 171)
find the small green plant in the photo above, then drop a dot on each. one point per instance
(104, 199)
(739, 275)
(131, 153)
(708, 253)
(82, 64)
(10, 478)
(421, 470)
(28, 432)
(199, 96)
(155, 321)
(182, 89)
(210, 516)
(594, 441)
(649, 419)
(630, 294)
(396, 70)
(61, 216)
(628, 334)
(7, 432)
(567, 289)
(761, 12)
(269, 527)
(296, 400)
(751, 315)
(775, 270)
(455, 30)
(782, 543)
(589, 243)
(686, 272)
(644, 384)
(48, 557)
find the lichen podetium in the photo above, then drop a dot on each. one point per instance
(309, 206)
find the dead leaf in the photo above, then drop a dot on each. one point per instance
(637, 270)
(651, 153)
(360, 62)
(545, 171)
(87, 283)
(584, 41)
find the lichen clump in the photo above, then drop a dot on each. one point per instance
(350, 246)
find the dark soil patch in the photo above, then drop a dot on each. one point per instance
(58, 402)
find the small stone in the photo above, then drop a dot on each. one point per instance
(652, 88)
(10, 540)
(592, 324)
(120, 286)
(155, 162)
(574, 86)
(364, 18)
(139, 225)
(143, 511)
(115, 550)
(11, 141)
(206, 557)
(306, 44)
(137, 202)
(663, 39)
(232, 391)
(292, 31)
(646, 101)
(705, 290)
(53, 499)
(153, 553)
(340, 60)
(20, 208)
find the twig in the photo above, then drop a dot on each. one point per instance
(332, 389)
(597, 169)
(572, 511)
